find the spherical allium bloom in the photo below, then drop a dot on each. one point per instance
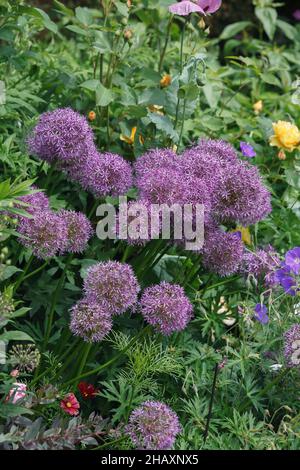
(223, 252)
(61, 135)
(262, 264)
(153, 426)
(70, 404)
(155, 159)
(35, 202)
(104, 174)
(162, 186)
(79, 231)
(46, 234)
(292, 346)
(112, 285)
(166, 307)
(241, 196)
(90, 321)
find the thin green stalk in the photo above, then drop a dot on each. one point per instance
(54, 301)
(112, 360)
(86, 352)
(36, 271)
(182, 125)
(213, 389)
(23, 274)
(162, 55)
(111, 443)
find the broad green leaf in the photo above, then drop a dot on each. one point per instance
(235, 28)
(104, 96)
(15, 335)
(268, 17)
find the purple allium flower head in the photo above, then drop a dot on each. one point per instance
(296, 15)
(90, 321)
(61, 135)
(46, 234)
(292, 260)
(166, 307)
(113, 285)
(261, 314)
(153, 426)
(185, 8)
(262, 264)
(247, 150)
(79, 231)
(292, 346)
(163, 186)
(155, 159)
(241, 196)
(223, 252)
(37, 202)
(218, 149)
(105, 174)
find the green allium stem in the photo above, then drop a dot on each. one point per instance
(23, 274)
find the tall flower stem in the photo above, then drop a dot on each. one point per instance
(163, 53)
(23, 274)
(84, 357)
(182, 125)
(58, 289)
(213, 389)
(180, 67)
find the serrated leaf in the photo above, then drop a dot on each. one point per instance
(164, 124)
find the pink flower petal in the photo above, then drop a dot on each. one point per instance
(184, 8)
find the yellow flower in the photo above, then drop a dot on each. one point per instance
(245, 234)
(129, 140)
(258, 106)
(286, 136)
(92, 115)
(166, 81)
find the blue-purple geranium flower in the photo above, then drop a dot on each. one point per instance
(284, 277)
(186, 7)
(261, 314)
(247, 150)
(292, 260)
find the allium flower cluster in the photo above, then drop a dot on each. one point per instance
(79, 231)
(113, 285)
(48, 233)
(110, 288)
(35, 202)
(90, 320)
(61, 135)
(166, 307)
(64, 137)
(153, 426)
(223, 253)
(292, 346)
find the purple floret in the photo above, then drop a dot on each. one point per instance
(113, 285)
(262, 264)
(166, 307)
(153, 426)
(90, 321)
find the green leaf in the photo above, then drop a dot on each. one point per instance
(90, 85)
(48, 23)
(271, 79)
(288, 30)
(7, 271)
(104, 96)
(121, 7)
(164, 124)
(77, 30)
(268, 17)
(233, 29)
(15, 335)
(84, 15)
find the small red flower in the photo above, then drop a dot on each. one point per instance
(70, 404)
(87, 390)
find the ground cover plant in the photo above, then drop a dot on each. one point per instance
(144, 343)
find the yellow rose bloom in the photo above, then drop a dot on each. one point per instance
(286, 136)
